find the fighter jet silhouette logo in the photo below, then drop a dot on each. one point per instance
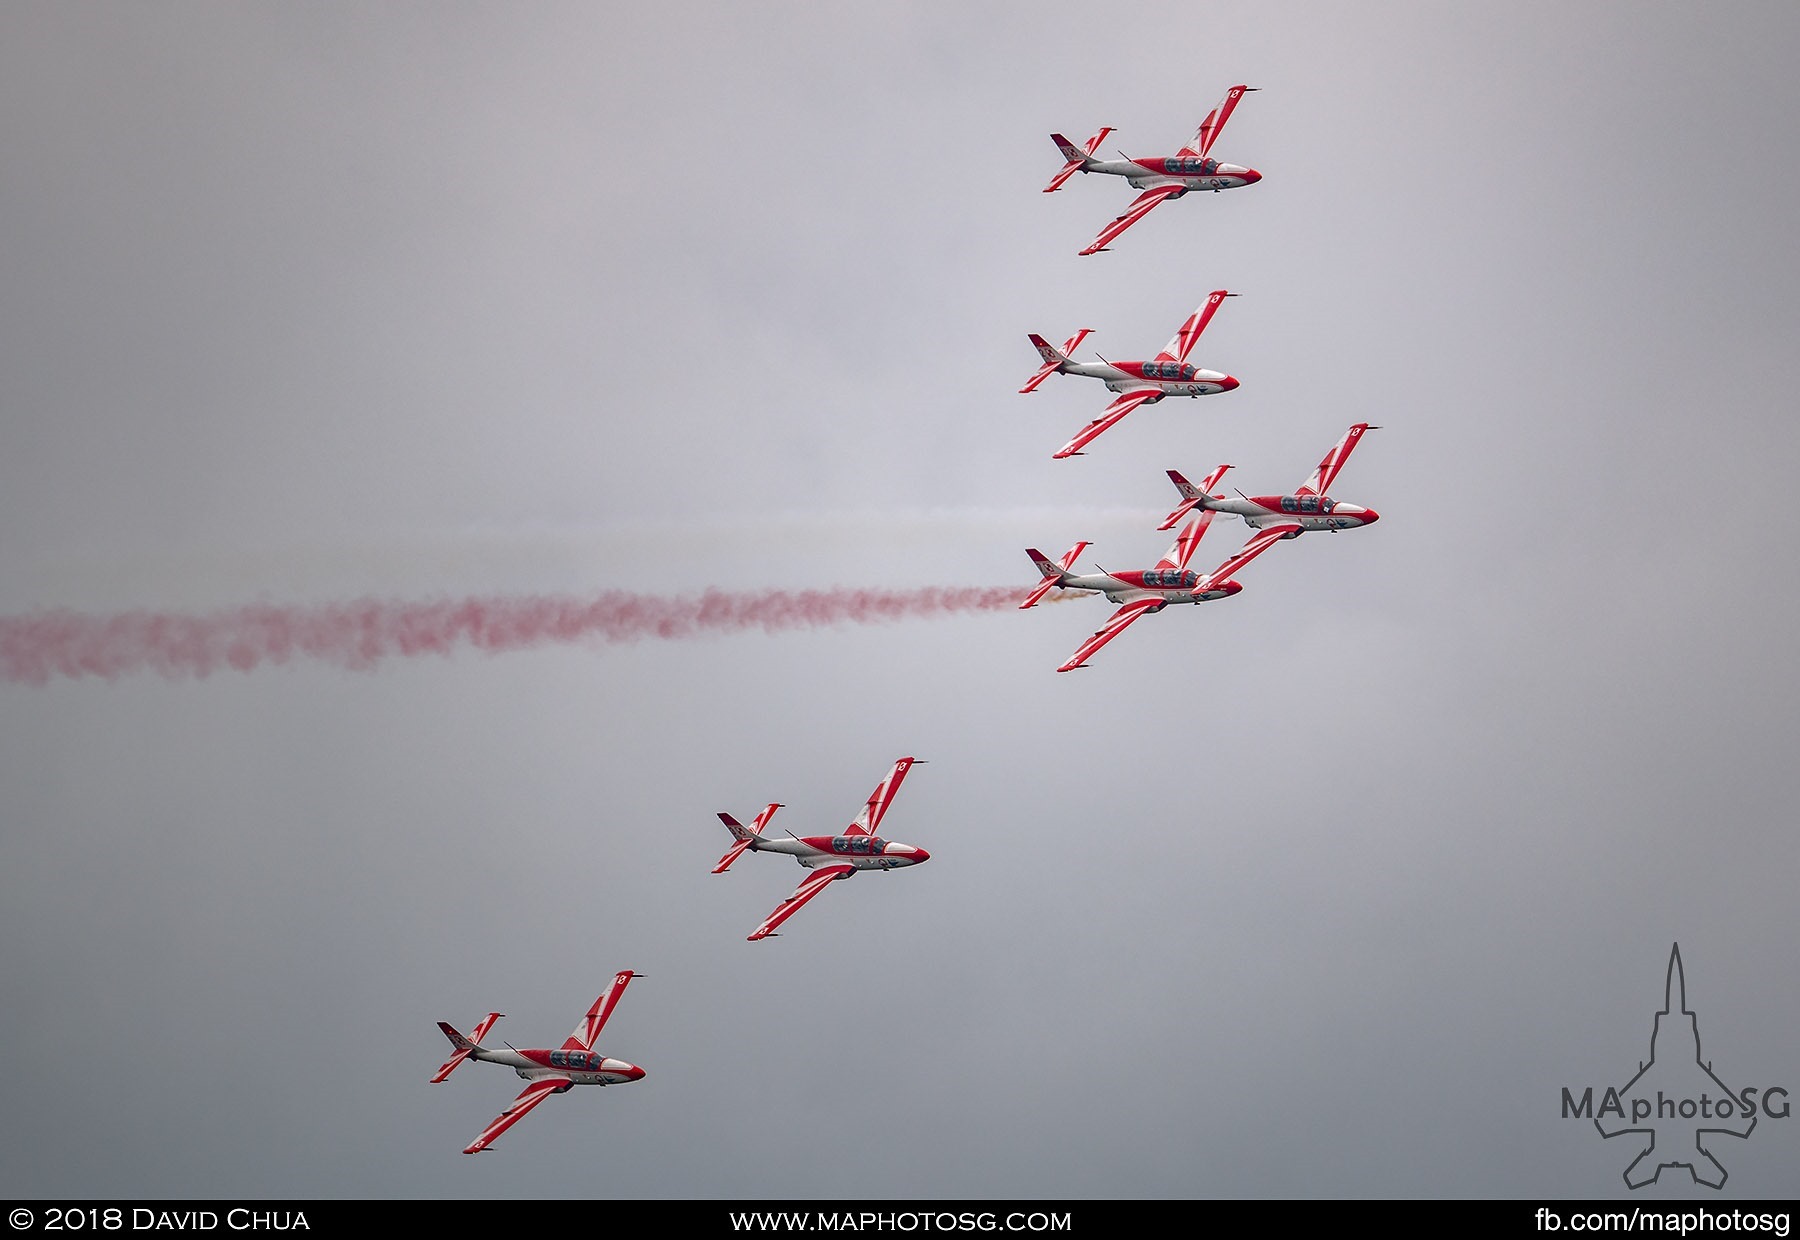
(1675, 1102)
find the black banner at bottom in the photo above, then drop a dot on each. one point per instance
(1047, 1219)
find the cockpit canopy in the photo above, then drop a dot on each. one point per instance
(858, 845)
(1306, 504)
(1168, 370)
(1190, 166)
(578, 1061)
(1171, 578)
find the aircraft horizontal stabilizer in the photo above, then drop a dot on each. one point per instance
(1053, 572)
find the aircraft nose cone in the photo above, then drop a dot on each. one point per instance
(1251, 176)
(1370, 516)
(1228, 384)
(920, 856)
(1231, 588)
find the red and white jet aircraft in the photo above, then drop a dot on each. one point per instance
(1161, 178)
(1278, 517)
(1138, 383)
(829, 857)
(548, 1072)
(1140, 593)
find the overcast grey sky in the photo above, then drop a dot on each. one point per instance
(1324, 890)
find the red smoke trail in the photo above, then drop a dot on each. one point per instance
(41, 645)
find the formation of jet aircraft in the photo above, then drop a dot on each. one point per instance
(1137, 593)
(1274, 518)
(1271, 518)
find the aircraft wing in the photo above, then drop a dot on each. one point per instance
(1334, 460)
(1260, 542)
(1208, 133)
(1117, 624)
(1186, 542)
(814, 884)
(534, 1093)
(1188, 335)
(1126, 402)
(1140, 206)
(591, 1024)
(879, 800)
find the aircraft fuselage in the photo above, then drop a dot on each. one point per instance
(1171, 378)
(581, 1067)
(1309, 512)
(1190, 172)
(1171, 585)
(865, 852)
